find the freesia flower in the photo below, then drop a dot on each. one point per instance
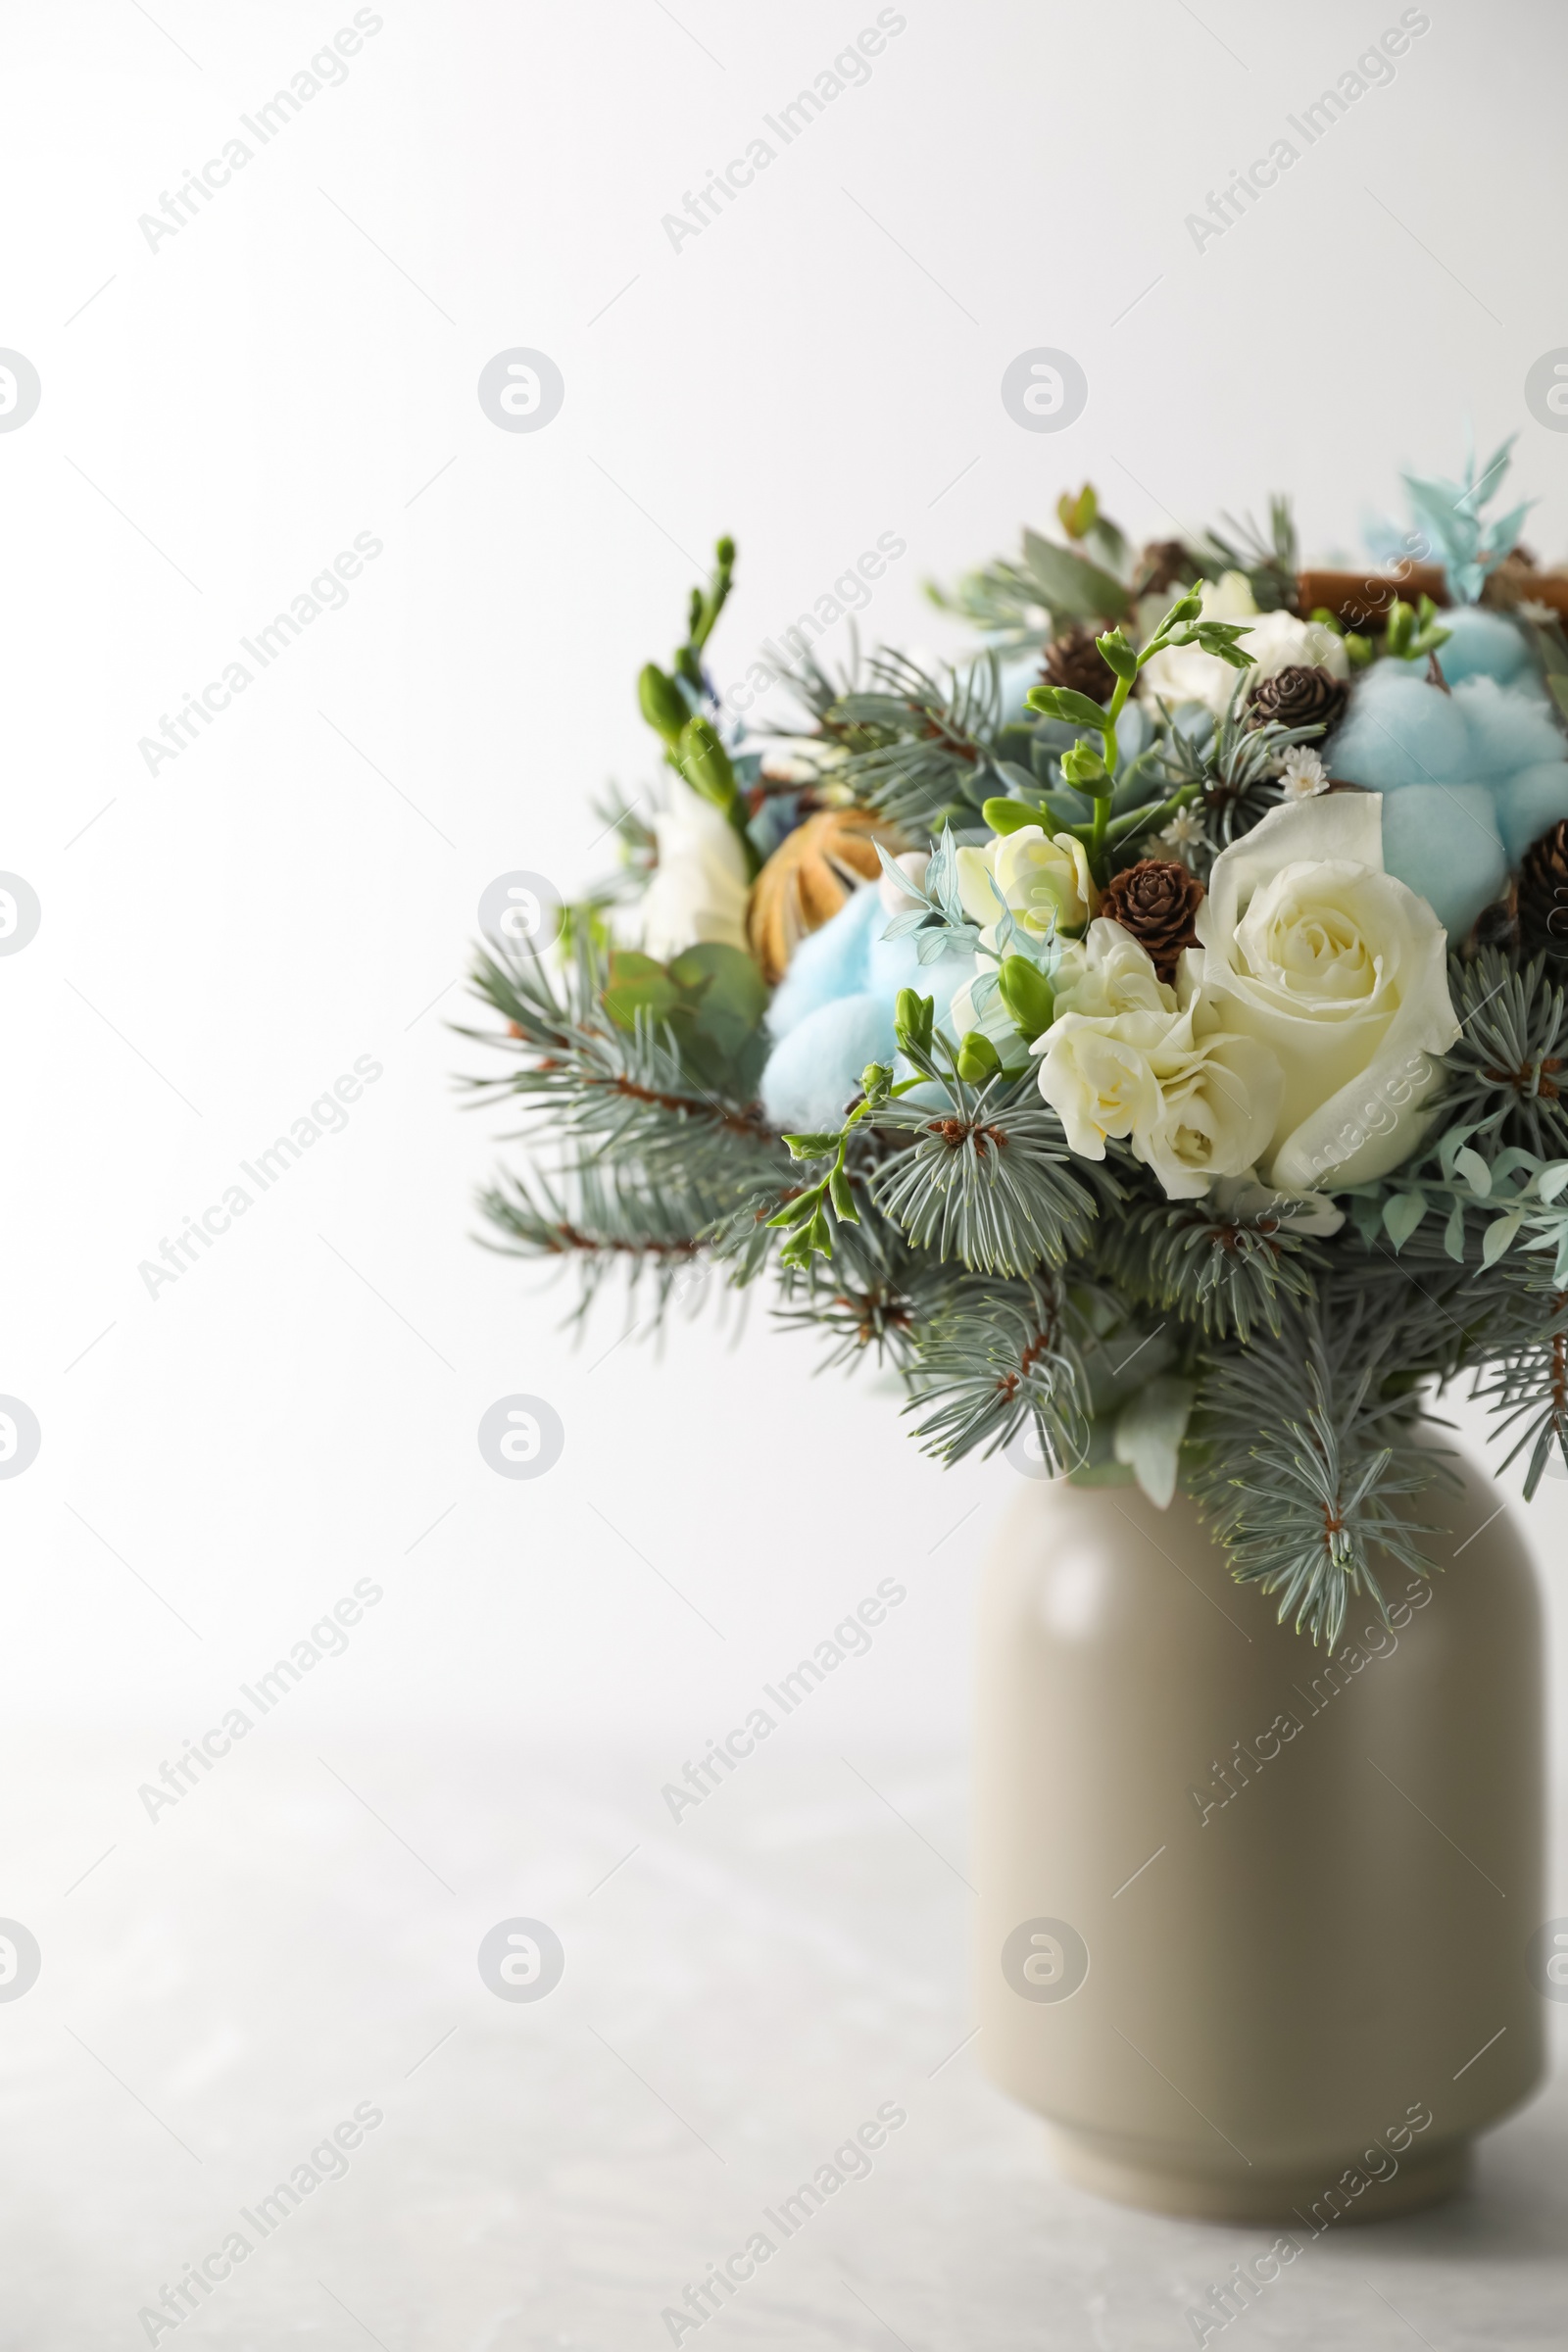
(699, 884)
(1122, 1059)
(1310, 949)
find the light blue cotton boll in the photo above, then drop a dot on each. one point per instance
(1483, 645)
(1530, 802)
(1442, 839)
(1399, 731)
(894, 964)
(831, 963)
(814, 1072)
(1508, 730)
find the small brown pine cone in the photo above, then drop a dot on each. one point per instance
(1155, 902)
(1298, 697)
(1544, 894)
(1164, 563)
(1073, 659)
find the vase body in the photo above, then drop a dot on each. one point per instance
(1253, 1922)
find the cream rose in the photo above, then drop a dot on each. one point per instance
(1042, 879)
(1121, 1059)
(1310, 949)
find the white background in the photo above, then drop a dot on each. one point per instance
(221, 939)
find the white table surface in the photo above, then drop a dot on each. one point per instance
(743, 1991)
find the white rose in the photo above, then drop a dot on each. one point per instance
(1183, 674)
(700, 885)
(1310, 948)
(1042, 879)
(1121, 1058)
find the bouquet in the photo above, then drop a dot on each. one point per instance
(1148, 1034)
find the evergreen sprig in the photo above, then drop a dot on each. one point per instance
(1306, 1460)
(997, 1358)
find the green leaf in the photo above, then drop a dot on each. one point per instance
(1453, 1233)
(1474, 1171)
(637, 984)
(1499, 1233)
(1070, 588)
(1078, 516)
(1401, 1214)
(1149, 1429)
(797, 1210)
(811, 1147)
(837, 1185)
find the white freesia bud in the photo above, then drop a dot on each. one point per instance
(1310, 948)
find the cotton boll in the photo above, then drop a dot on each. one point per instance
(830, 964)
(1442, 839)
(1399, 731)
(1507, 729)
(1482, 644)
(894, 964)
(1530, 802)
(814, 1072)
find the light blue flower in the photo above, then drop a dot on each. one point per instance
(1470, 778)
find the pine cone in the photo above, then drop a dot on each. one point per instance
(1155, 902)
(1164, 563)
(1298, 697)
(1073, 659)
(1544, 894)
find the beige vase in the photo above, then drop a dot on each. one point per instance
(1253, 1923)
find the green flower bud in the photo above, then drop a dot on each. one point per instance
(704, 763)
(1027, 995)
(1085, 769)
(914, 1020)
(978, 1058)
(661, 702)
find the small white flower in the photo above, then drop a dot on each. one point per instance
(1184, 832)
(1532, 608)
(1303, 773)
